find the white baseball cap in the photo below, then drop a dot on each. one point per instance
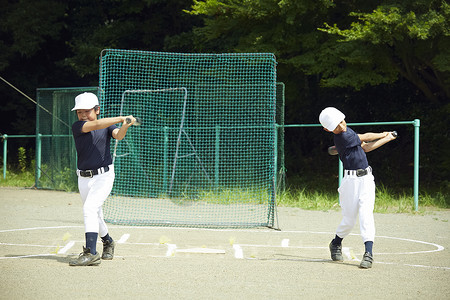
(85, 101)
(330, 118)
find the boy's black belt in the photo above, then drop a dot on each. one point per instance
(359, 172)
(91, 173)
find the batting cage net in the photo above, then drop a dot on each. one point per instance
(205, 153)
(56, 156)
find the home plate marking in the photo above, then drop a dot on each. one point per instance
(201, 251)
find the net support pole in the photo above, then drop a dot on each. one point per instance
(38, 159)
(5, 155)
(416, 164)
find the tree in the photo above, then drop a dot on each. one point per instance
(398, 39)
(57, 43)
(409, 40)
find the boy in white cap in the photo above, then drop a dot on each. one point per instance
(95, 172)
(357, 190)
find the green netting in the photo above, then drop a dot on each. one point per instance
(205, 154)
(56, 157)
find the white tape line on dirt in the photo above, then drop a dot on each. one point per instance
(66, 247)
(238, 252)
(201, 251)
(171, 248)
(123, 238)
(26, 256)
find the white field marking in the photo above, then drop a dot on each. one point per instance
(171, 248)
(201, 250)
(238, 252)
(38, 228)
(123, 238)
(410, 265)
(280, 246)
(27, 245)
(348, 254)
(429, 267)
(31, 255)
(438, 247)
(285, 243)
(66, 247)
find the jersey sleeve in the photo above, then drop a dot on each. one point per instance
(353, 140)
(76, 128)
(111, 129)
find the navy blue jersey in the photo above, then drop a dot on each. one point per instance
(350, 151)
(94, 147)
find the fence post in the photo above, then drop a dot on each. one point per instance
(341, 171)
(5, 155)
(416, 164)
(38, 160)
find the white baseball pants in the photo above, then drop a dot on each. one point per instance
(357, 196)
(94, 192)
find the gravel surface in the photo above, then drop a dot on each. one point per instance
(411, 252)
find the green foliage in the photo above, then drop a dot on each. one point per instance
(394, 41)
(64, 180)
(22, 158)
(383, 44)
(386, 201)
(15, 179)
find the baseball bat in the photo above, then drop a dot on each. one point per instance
(332, 150)
(394, 134)
(137, 123)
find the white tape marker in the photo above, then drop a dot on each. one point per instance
(66, 247)
(123, 238)
(201, 251)
(238, 253)
(171, 248)
(348, 254)
(285, 243)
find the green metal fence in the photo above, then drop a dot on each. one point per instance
(280, 168)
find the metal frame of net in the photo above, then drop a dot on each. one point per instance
(205, 154)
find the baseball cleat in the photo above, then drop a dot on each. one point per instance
(336, 252)
(367, 261)
(86, 258)
(108, 250)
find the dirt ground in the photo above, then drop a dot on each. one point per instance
(41, 231)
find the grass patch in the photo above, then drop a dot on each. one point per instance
(386, 201)
(309, 198)
(19, 179)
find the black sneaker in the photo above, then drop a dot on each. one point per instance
(336, 252)
(367, 261)
(108, 250)
(86, 258)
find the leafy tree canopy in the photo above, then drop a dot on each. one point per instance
(396, 39)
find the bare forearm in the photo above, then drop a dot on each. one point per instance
(101, 123)
(370, 136)
(367, 147)
(121, 132)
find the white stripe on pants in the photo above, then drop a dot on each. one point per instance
(357, 195)
(94, 192)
